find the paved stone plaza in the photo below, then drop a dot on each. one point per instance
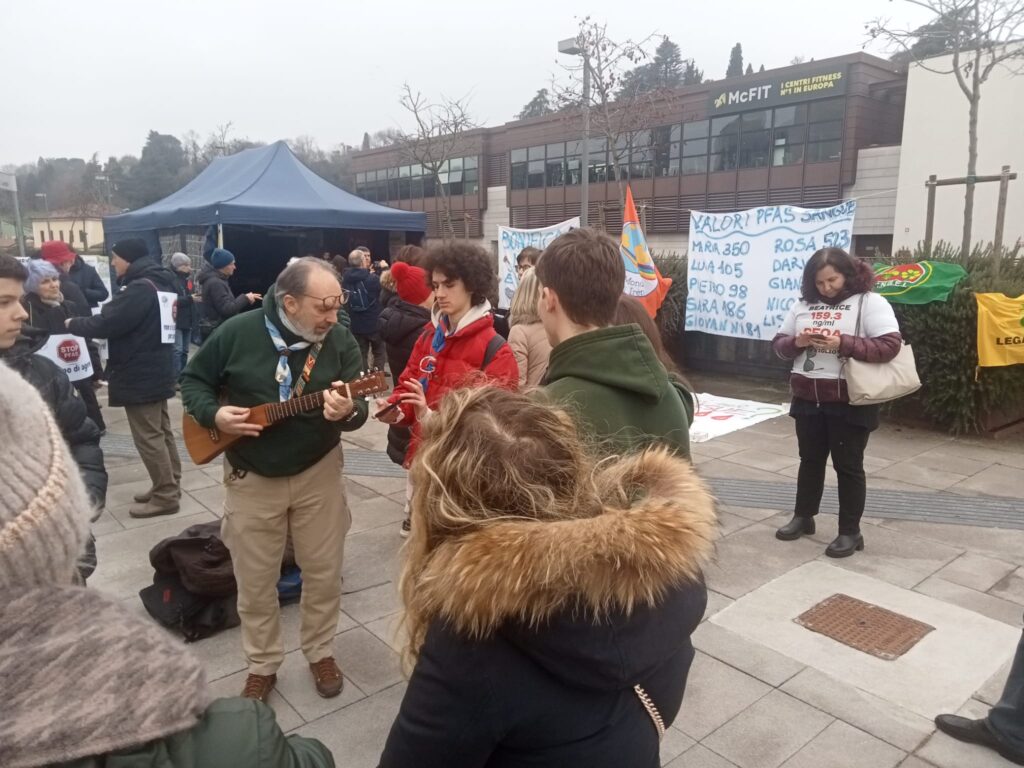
(763, 692)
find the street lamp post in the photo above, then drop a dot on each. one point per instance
(46, 204)
(571, 47)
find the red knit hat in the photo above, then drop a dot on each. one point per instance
(411, 283)
(56, 252)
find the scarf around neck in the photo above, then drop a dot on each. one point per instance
(283, 373)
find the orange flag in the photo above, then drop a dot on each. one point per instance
(643, 280)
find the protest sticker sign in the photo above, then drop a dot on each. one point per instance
(69, 353)
(745, 268)
(511, 241)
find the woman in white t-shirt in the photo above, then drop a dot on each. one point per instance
(818, 334)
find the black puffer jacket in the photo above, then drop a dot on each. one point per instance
(88, 279)
(400, 325)
(141, 367)
(218, 303)
(78, 430)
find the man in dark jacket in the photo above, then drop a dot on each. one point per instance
(141, 366)
(364, 307)
(608, 375)
(87, 278)
(18, 346)
(218, 303)
(182, 266)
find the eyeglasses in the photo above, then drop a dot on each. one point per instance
(809, 360)
(330, 302)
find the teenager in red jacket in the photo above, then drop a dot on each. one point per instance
(458, 348)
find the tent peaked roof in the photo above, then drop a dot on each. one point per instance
(263, 186)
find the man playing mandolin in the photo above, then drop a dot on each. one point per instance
(288, 476)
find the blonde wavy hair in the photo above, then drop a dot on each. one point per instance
(523, 309)
(490, 455)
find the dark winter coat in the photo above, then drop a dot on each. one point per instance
(400, 325)
(536, 644)
(88, 279)
(218, 302)
(364, 322)
(140, 368)
(186, 287)
(74, 297)
(78, 430)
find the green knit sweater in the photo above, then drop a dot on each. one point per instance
(236, 365)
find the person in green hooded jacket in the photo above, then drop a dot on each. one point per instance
(609, 375)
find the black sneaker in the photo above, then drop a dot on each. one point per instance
(406, 528)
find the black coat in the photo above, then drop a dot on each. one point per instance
(141, 368)
(88, 279)
(186, 287)
(400, 325)
(218, 302)
(74, 297)
(78, 430)
(364, 320)
(546, 685)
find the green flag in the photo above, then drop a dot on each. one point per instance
(919, 283)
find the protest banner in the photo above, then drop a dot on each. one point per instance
(717, 416)
(68, 353)
(1000, 329)
(919, 283)
(511, 241)
(745, 268)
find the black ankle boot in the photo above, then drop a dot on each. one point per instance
(845, 545)
(795, 528)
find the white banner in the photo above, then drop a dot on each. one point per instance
(8, 181)
(717, 416)
(168, 315)
(511, 241)
(69, 354)
(745, 268)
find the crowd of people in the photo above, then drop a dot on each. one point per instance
(557, 531)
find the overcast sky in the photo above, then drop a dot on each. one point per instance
(95, 76)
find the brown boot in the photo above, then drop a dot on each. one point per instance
(259, 687)
(154, 510)
(144, 497)
(328, 678)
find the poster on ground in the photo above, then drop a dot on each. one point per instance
(745, 268)
(716, 416)
(511, 241)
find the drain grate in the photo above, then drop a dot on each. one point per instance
(864, 627)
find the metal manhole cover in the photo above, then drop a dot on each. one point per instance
(864, 627)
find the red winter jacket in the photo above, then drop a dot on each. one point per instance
(457, 365)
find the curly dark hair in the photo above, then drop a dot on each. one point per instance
(859, 276)
(469, 263)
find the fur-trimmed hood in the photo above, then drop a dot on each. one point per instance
(600, 601)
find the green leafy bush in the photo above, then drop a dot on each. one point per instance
(955, 395)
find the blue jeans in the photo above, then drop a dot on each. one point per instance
(182, 338)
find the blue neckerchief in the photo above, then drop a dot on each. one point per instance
(283, 374)
(436, 345)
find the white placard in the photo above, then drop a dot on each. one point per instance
(69, 353)
(511, 241)
(168, 315)
(745, 268)
(103, 270)
(717, 416)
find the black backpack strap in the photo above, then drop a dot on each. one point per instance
(493, 347)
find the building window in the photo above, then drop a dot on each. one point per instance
(725, 133)
(665, 144)
(459, 175)
(61, 232)
(825, 130)
(755, 139)
(42, 235)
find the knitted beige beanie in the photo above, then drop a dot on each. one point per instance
(44, 508)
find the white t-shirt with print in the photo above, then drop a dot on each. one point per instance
(878, 320)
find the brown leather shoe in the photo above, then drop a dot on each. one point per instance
(328, 678)
(259, 687)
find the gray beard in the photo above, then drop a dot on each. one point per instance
(306, 334)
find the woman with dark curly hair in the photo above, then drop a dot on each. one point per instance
(457, 348)
(817, 335)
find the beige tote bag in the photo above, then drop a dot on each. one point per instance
(874, 383)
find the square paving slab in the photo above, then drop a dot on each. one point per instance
(937, 675)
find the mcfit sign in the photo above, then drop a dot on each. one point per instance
(778, 91)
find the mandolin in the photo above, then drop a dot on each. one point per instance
(207, 443)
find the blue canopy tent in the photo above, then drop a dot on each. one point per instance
(264, 191)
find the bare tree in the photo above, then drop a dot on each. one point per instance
(979, 35)
(616, 112)
(438, 136)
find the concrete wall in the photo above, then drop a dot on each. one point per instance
(935, 141)
(878, 171)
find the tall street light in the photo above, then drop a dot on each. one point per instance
(571, 47)
(46, 204)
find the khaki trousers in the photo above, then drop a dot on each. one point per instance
(154, 439)
(259, 513)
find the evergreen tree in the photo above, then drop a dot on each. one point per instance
(366, 142)
(538, 106)
(667, 67)
(750, 69)
(692, 75)
(735, 62)
(761, 69)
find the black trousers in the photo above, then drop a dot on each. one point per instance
(372, 344)
(820, 434)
